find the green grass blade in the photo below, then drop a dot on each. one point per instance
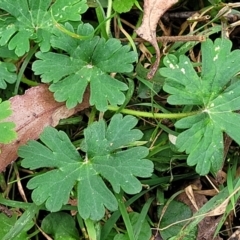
(142, 217)
(91, 229)
(22, 222)
(115, 216)
(125, 216)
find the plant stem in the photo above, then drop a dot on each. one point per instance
(109, 11)
(101, 19)
(23, 67)
(29, 82)
(131, 42)
(139, 22)
(153, 115)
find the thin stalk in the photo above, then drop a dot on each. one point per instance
(92, 115)
(23, 67)
(101, 19)
(69, 121)
(153, 115)
(109, 12)
(139, 22)
(3, 184)
(29, 82)
(82, 227)
(131, 42)
(131, 88)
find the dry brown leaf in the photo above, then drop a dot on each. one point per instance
(32, 112)
(222, 207)
(189, 192)
(153, 10)
(209, 192)
(206, 227)
(235, 235)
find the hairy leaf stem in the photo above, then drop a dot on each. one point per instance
(153, 115)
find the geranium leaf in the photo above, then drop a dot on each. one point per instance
(182, 81)
(104, 157)
(89, 61)
(32, 20)
(93, 194)
(203, 140)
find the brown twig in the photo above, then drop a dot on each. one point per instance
(171, 39)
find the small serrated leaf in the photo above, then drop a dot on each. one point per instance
(20, 42)
(120, 131)
(7, 74)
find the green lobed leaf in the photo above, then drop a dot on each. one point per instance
(88, 62)
(180, 211)
(7, 132)
(182, 81)
(54, 187)
(104, 158)
(93, 194)
(7, 74)
(204, 144)
(122, 6)
(60, 225)
(121, 168)
(32, 20)
(100, 139)
(203, 139)
(63, 10)
(221, 111)
(6, 53)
